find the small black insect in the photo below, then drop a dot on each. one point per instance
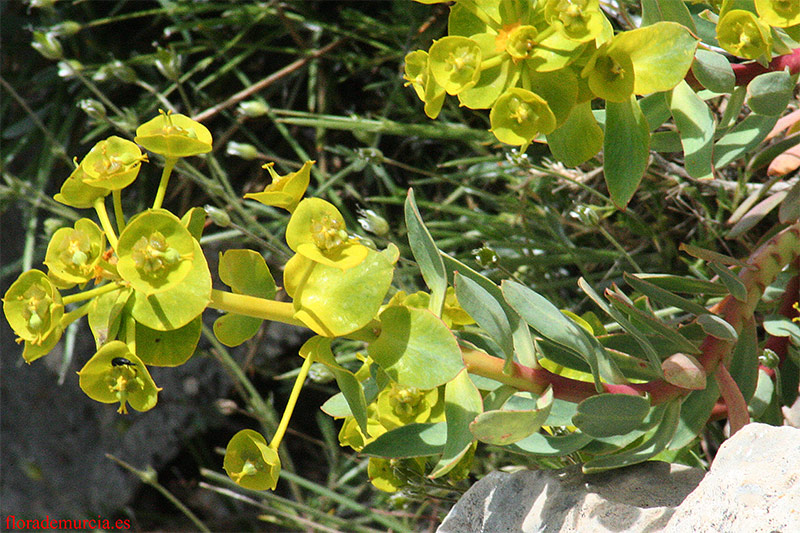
(121, 361)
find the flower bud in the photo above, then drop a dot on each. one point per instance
(66, 28)
(47, 44)
(93, 108)
(373, 222)
(243, 150)
(68, 68)
(485, 256)
(218, 216)
(122, 72)
(253, 108)
(769, 359)
(168, 63)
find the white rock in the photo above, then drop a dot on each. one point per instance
(753, 486)
(637, 499)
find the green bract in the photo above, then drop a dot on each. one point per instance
(33, 308)
(174, 136)
(416, 71)
(114, 374)
(73, 253)
(520, 115)
(742, 34)
(780, 13)
(578, 20)
(317, 231)
(610, 73)
(455, 63)
(112, 164)
(521, 42)
(155, 252)
(75, 192)
(250, 462)
(284, 191)
(334, 302)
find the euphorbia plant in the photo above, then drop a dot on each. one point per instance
(468, 360)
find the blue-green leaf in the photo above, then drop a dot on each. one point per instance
(695, 124)
(427, 255)
(486, 311)
(412, 440)
(608, 415)
(713, 71)
(626, 149)
(462, 403)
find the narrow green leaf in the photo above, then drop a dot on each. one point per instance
(743, 365)
(712, 257)
(743, 137)
(412, 440)
(696, 126)
(663, 296)
(415, 348)
(651, 446)
(523, 345)
(552, 324)
(427, 255)
(626, 149)
(320, 349)
(684, 284)
(655, 325)
(486, 311)
(717, 327)
(462, 403)
(731, 281)
(644, 343)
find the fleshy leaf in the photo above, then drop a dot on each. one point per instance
(502, 427)
(412, 440)
(713, 71)
(415, 348)
(770, 93)
(427, 255)
(607, 415)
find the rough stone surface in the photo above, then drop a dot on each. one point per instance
(640, 498)
(752, 486)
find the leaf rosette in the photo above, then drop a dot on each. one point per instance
(33, 307)
(250, 462)
(155, 252)
(112, 164)
(519, 115)
(115, 374)
(174, 136)
(317, 231)
(284, 191)
(73, 253)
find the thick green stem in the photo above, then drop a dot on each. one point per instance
(85, 295)
(290, 405)
(75, 314)
(118, 213)
(242, 304)
(102, 214)
(169, 164)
